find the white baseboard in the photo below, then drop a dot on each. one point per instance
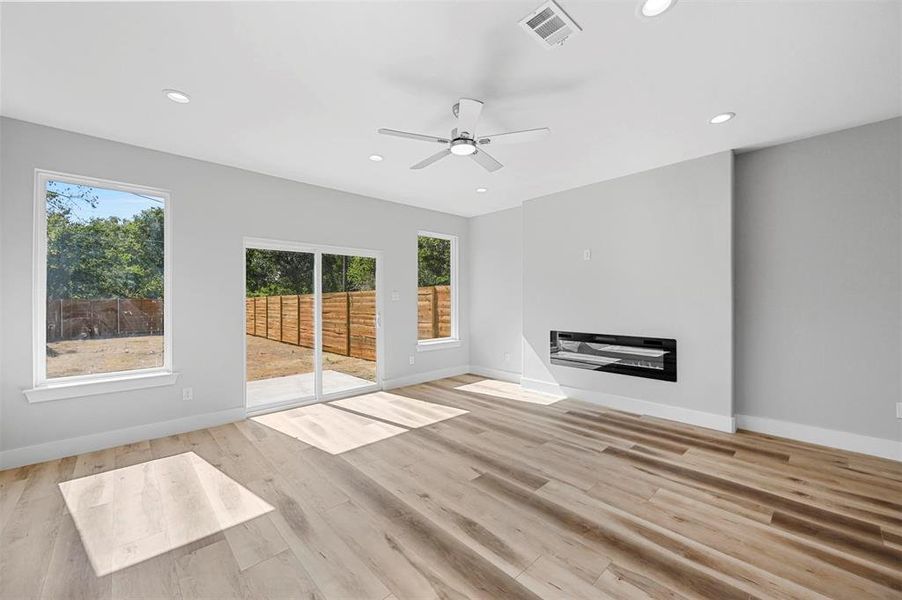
(27, 455)
(833, 438)
(416, 378)
(545, 387)
(495, 373)
(635, 405)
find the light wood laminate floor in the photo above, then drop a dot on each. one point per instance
(504, 497)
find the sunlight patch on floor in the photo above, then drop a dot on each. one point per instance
(128, 515)
(509, 391)
(399, 409)
(329, 429)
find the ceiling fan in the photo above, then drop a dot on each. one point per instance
(464, 141)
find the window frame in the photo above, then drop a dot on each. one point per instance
(452, 341)
(55, 388)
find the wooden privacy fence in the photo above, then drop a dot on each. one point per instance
(434, 312)
(74, 318)
(349, 319)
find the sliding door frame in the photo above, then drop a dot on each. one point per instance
(317, 250)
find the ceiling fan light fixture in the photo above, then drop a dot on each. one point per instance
(376, 157)
(463, 141)
(655, 8)
(463, 147)
(481, 190)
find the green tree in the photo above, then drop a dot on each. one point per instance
(361, 273)
(105, 257)
(275, 272)
(348, 273)
(434, 261)
(63, 198)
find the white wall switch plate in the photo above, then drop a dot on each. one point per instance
(395, 296)
(411, 358)
(587, 254)
(507, 357)
(899, 410)
(187, 394)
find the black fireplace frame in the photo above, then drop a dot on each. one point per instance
(668, 373)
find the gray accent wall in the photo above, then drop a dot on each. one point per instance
(819, 281)
(661, 266)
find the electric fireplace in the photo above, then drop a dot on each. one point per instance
(654, 358)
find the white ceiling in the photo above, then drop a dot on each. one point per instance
(298, 90)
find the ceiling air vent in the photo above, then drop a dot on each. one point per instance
(549, 25)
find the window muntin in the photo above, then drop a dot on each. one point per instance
(436, 281)
(102, 280)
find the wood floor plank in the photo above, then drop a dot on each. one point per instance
(550, 578)
(400, 410)
(335, 570)
(481, 490)
(211, 573)
(382, 552)
(281, 576)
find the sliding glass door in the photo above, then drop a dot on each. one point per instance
(279, 326)
(311, 323)
(348, 320)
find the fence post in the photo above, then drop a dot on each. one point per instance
(61, 319)
(118, 326)
(347, 323)
(435, 321)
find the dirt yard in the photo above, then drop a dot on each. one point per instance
(268, 358)
(265, 358)
(84, 357)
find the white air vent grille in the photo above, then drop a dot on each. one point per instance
(549, 25)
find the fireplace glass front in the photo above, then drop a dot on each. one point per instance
(654, 358)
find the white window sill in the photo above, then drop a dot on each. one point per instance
(78, 389)
(437, 344)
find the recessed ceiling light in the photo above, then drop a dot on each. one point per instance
(481, 190)
(721, 118)
(177, 96)
(655, 8)
(375, 157)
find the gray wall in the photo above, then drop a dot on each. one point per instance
(496, 291)
(661, 266)
(213, 208)
(818, 270)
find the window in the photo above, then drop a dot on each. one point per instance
(101, 283)
(437, 293)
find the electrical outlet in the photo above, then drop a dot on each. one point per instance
(395, 296)
(411, 359)
(507, 357)
(187, 394)
(587, 254)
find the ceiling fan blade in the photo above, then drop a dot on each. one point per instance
(414, 136)
(516, 137)
(486, 161)
(434, 158)
(468, 112)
